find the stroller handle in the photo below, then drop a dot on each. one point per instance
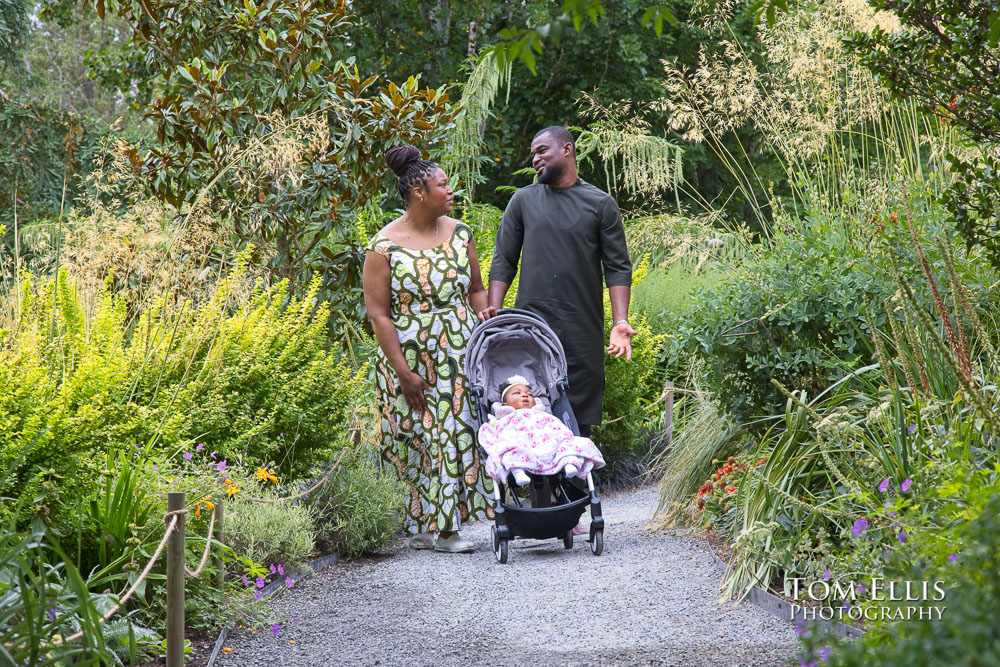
(515, 311)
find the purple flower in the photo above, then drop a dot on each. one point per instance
(902, 537)
(884, 485)
(200, 445)
(888, 511)
(281, 569)
(245, 582)
(289, 582)
(213, 455)
(258, 595)
(188, 456)
(154, 467)
(221, 467)
(847, 604)
(51, 613)
(260, 582)
(273, 568)
(801, 629)
(905, 486)
(861, 589)
(860, 526)
(912, 429)
(803, 663)
(826, 575)
(275, 629)
(824, 653)
(952, 558)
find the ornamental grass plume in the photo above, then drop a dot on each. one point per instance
(958, 347)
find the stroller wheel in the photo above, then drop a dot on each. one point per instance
(568, 540)
(499, 547)
(597, 544)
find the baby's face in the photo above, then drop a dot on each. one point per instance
(519, 397)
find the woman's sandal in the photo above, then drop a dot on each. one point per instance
(453, 544)
(422, 541)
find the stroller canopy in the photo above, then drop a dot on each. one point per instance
(515, 342)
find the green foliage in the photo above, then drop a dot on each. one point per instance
(275, 532)
(358, 509)
(13, 26)
(944, 58)
(43, 595)
(118, 512)
(964, 635)
(260, 104)
(809, 287)
(41, 149)
(248, 373)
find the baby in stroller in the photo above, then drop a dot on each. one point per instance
(522, 436)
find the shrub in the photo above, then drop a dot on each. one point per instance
(966, 632)
(278, 532)
(809, 287)
(249, 373)
(358, 509)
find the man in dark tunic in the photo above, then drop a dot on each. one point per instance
(565, 232)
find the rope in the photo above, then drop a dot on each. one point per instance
(269, 501)
(204, 557)
(58, 641)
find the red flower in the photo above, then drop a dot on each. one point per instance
(730, 489)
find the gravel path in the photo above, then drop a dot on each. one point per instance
(650, 599)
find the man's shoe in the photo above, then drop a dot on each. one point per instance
(422, 541)
(453, 545)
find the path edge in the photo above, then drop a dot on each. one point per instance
(309, 568)
(782, 609)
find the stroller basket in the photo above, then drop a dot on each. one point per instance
(521, 342)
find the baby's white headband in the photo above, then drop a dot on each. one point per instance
(511, 381)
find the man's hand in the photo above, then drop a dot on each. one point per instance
(487, 313)
(621, 340)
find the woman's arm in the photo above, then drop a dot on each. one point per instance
(378, 296)
(477, 292)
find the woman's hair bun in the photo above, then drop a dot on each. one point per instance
(400, 157)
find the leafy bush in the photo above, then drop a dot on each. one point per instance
(249, 373)
(966, 633)
(277, 532)
(358, 509)
(809, 286)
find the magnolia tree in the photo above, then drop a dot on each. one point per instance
(260, 114)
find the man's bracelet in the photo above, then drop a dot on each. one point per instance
(617, 322)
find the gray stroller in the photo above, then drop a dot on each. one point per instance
(521, 342)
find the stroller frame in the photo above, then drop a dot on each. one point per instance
(514, 521)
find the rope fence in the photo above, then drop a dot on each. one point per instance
(177, 569)
(59, 641)
(329, 473)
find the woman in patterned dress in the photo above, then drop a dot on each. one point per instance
(421, 277)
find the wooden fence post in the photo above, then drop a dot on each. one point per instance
(175, 584)
(668, 412)
(220, 535)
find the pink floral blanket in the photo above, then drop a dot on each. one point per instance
(536, 442)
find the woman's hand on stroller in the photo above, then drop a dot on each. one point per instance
(486, 313)
(414, 387)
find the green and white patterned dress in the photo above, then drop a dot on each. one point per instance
(433, 453)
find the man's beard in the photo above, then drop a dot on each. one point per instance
(551, 173)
